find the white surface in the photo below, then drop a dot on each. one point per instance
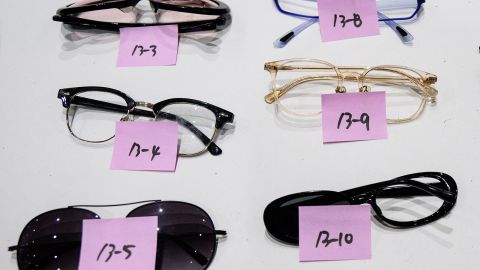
(43, 167)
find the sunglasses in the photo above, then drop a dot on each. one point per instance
(404, 202)
(187, 239)
(93, 111)
(189, 15)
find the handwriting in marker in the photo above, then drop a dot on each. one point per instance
(364, 119)
(114, 251)
(348, 238)
(142, 50)
(139, 150)
(357, 20)
(345, 19)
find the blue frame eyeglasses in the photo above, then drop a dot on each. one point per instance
(412, 8)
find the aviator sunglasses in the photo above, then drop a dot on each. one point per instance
(187, 239)
(404, 202)
(189, 15)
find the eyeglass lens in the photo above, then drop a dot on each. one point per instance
(199, 116)
(306, 87)
(95, 124)
(404, 209)
(52, 240)
(186, 235)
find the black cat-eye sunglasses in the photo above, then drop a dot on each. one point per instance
(404, 202)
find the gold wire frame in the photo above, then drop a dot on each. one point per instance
(419, 81)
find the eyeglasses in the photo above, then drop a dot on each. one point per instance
(186, 239)
(297, 86)
(93, 111)
(403, 202)
(189, 15)
(389, 12)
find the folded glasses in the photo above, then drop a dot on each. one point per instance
(389, 12)
(189, 15)
(404, 202)
(93, 111)
(186, 239)
(297, 86)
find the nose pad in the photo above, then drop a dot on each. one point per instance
(340, 89)
(125, 118)
(364, 89)
(154, 7)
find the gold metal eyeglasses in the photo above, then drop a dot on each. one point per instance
(297, 86)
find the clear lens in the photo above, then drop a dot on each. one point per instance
(196, 126)
(124, 15)
(299, 7)
(397, 8)
(190, 3)
(170, 16)
(306, 84)
(403, 96)
(406, 209)
(91, 123)
(86, 2)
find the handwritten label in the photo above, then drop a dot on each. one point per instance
(335, 232)
(112, 244)
(344, 19)
(150, 146)
(148, 46)
(354, 117)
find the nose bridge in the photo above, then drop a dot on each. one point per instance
(350, 76)
(144, 104)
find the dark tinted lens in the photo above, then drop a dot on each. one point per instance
(281, 216)
(186, 235)
(51, 241)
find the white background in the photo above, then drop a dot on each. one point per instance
(43, 167)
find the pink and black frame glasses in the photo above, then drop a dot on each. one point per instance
(189, 15)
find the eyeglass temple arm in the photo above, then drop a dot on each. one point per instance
(403, 34)
(201, 259)
(415, 188)
(281, 42)
(211, 146)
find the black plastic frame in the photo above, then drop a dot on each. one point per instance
(222, 116)
(446, 189)
(221, 233)
(67, 15)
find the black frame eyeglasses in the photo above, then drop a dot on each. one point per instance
(281, 215)
(186, 238)
(198, 15)
(199, 122)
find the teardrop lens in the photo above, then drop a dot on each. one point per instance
(404, 209)
(52, 240)
(281, 216)
(186, 235)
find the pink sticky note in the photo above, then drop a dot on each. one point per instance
(148, 46)
(354, 18)
(354, 117)
(148, 146)
(106, 244)
(335, 232)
